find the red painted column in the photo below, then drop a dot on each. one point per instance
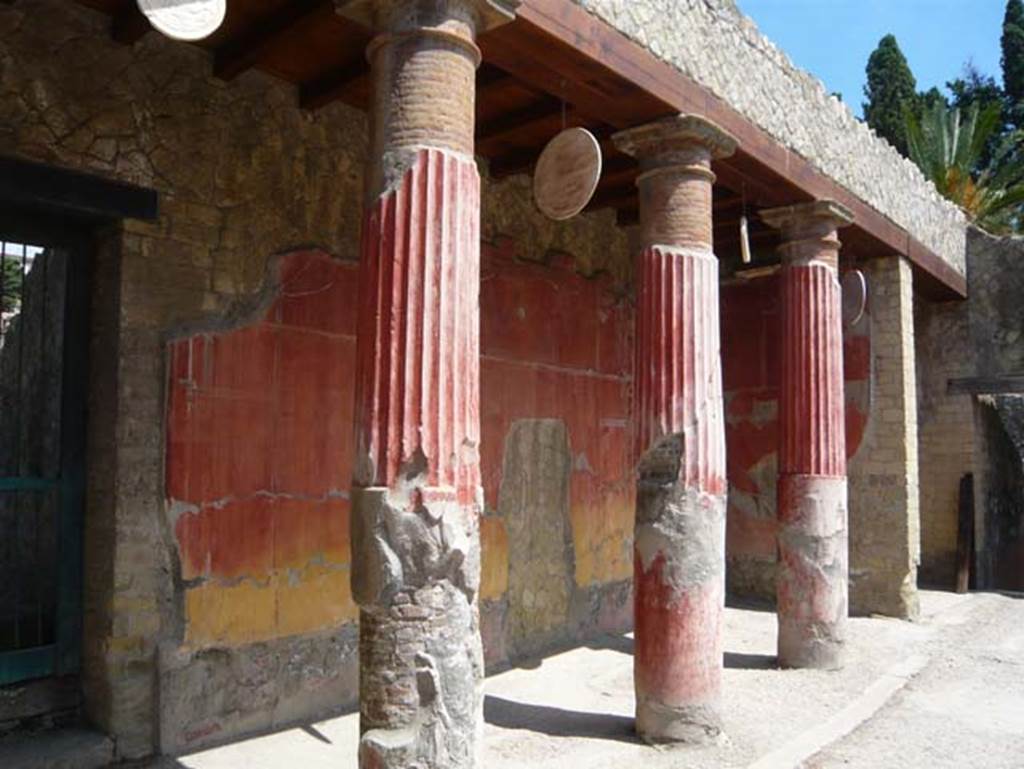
(416, 496)
(812, 535)
(679, 543)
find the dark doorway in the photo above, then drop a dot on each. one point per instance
(44, 268)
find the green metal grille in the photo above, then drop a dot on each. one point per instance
(41, 460)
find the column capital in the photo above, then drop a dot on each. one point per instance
(803, 217)
(411, 14)
(666, 136)
(809, 230)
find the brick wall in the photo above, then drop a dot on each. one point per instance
(884, 511)
(945, 432)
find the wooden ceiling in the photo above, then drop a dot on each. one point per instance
(554, 65)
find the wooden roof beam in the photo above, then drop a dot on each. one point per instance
(613, 196)
(627, 217)
(341, 83)
(346, 84)
(128, 24)
(522, 160)
(488, 76)
(545, 108)
(991, 385)
(247, 48)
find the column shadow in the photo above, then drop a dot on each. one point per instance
(734, 660)
(557, 722)
(615, 643)
(740, 661)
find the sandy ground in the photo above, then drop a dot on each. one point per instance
(965, 709)
(954, 684)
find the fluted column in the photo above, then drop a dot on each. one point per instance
(416, 494)
(679, 550)
(813, 572)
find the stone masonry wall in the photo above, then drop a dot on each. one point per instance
(243, 175)
(712, 42)
(996, 319)
(978, 337)
(995, 285)
(945, 432)
(999, 491)
(883, 474)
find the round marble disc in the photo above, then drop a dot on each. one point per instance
(567, 173)
(184, 19)
(855, 296)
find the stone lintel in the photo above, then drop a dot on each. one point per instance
(379, 14)
(674, 133)
(797, 217)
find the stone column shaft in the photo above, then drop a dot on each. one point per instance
(812, 510)
(680, 521)
(416, 493)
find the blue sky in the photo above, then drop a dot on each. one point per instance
(833, 38)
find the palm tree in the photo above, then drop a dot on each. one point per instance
(948, 150)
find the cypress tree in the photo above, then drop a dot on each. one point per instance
(890, 84)
(1013, 51)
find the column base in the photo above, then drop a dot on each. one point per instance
(812, 586)
(692, 724)
(421, 682)
(812, 646)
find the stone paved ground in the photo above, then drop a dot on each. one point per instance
(964, 708)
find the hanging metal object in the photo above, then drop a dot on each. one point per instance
(855, 296)
(744, 239)
(567, 174)
(744, 229)
(184, 19)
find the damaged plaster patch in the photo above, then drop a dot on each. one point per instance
(685, 525)
(395, 549)
(534, 500)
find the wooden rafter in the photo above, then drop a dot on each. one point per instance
(245, 49)
(128, 24)
(991, 385)
(544, 109)
(333, 85)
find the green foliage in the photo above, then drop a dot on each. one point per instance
(930, 98)
(1013, 51)
(11, 295)
(972, 87)
(890, 86)
(947, 149)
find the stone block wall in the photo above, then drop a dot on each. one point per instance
(713, 43)
(884, 505)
